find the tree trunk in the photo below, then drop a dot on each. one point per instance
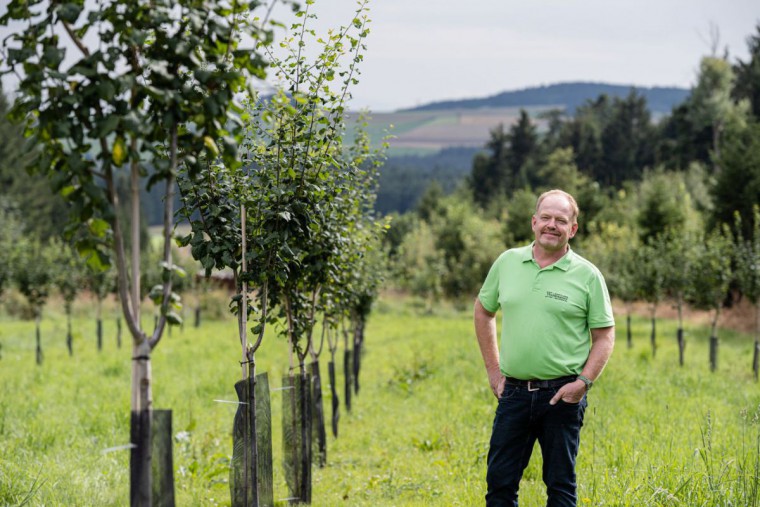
(251, 473)
(653, 337)
(242, 475)
(100, 334)
(134, 283)
(198, 316)
(319, 434)
(163, 462)
(306, 457)
(140, 480)
(358, 340)
(679, 332)
(296, 422)
(347, 374)
(335, 400)
(38, 350)
(118, 332)
(714, 341)
(142, 414)
(756, 354)
(69, 337)
(713, 353)
(629, 336)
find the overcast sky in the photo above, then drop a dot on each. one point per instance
(421, 51)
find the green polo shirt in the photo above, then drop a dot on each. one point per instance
(546, 313)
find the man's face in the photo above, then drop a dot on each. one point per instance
(553, 223)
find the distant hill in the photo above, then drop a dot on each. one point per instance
(567, 96)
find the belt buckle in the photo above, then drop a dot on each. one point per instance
(532, 389)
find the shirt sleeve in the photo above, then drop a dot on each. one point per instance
(489, 292)
(600, 308)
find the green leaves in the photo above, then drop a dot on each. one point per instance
(305, 194)
(69, 12)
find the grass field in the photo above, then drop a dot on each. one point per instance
(656, 434)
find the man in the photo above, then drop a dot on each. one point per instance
(557, 335)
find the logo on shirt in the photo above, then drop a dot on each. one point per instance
(557, 296)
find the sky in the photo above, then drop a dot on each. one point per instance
(421, 51)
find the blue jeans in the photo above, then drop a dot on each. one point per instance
(523, 417)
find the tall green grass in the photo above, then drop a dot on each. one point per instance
(656, 434)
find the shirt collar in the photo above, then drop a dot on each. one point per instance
(563, 263)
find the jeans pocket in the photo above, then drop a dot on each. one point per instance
(508, 392)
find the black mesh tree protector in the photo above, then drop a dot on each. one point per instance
(357, 365)
(162, 463)
(318, 432)
(252, 445)
(69, 337)
(296, 436)
(713, 353)
(335, 400)
(139, 436)
(38, 349)
(347, 374)
(99, 331)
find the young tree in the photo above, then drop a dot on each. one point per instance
(153, 83)
(69, 280)
(34, 268)
(747, 262)
(100, 284)
(650, 278)
(710, 276)
(677, 248)
(278, 221)
(612, 248)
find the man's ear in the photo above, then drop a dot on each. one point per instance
(573, 230)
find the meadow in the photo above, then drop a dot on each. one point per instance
(655, 434)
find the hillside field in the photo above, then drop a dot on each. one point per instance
(655, 434)
(425, 132)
